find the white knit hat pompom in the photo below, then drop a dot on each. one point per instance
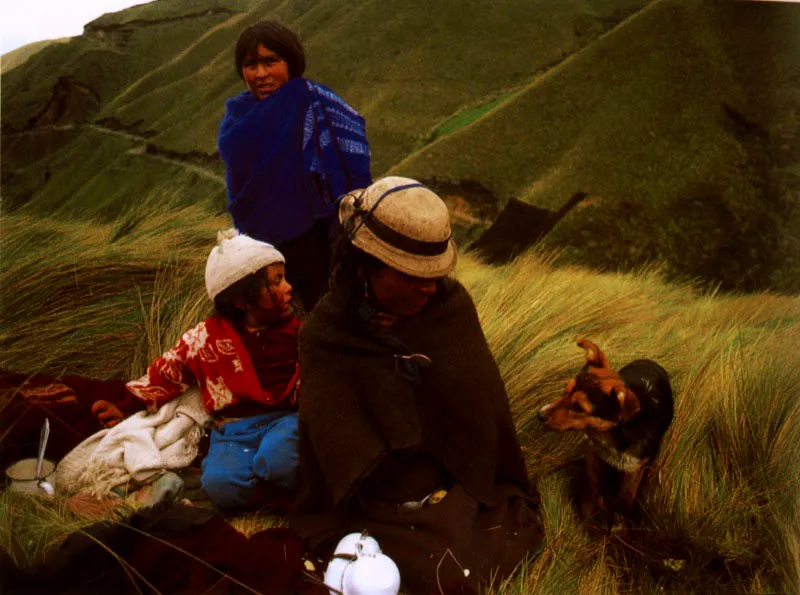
(235, 256)
(226, 234)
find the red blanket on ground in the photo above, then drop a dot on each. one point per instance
(177, 550)
(26, 401)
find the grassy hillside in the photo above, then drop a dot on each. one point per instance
(600, 103)
(102, 299)
(720, 514)
(674, 132)
(677, 117)
(104, 62)
(178, 56)
(163, 71)
(162, 10)
(81, 180)
(18, 56)
(412, 78)
(723, 505)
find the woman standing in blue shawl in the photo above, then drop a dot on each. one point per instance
(291, 148)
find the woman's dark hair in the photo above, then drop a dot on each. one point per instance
(246, 290)
(347, 285)
(281, 40)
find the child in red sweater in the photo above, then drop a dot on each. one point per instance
(244, 360)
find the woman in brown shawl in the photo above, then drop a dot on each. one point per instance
(405, 428)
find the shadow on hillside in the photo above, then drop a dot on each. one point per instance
(704, 236)
(519, 227)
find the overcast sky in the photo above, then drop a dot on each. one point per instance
(25, 21)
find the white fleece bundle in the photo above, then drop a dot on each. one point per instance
(137, 448)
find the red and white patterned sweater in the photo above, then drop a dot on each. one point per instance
(213, 356)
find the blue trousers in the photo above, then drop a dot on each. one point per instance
(248, 451)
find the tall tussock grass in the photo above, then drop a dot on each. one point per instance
(84, 299)
(720, 507)
(30, 527)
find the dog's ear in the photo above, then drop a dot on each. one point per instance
(594, 357)
(629, 404)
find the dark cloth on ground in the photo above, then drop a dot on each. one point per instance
(25, 402)
(433, 545)
(179, 549)
(404, 476)
(360, 421)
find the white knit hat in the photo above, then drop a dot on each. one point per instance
(235, 256)
(403, 224)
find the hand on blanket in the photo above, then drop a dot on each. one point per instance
(107, 413)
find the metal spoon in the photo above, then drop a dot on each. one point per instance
(43, 484)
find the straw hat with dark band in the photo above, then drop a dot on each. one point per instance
(403, 224)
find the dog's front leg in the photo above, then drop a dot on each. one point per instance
(629, 489)
(592, 501)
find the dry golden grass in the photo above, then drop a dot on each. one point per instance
(101, 300)
(722, 511)
(724, 505)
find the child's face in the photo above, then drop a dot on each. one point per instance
(274, 299)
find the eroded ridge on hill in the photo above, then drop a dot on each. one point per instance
(120, 33)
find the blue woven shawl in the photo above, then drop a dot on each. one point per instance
(289, 157)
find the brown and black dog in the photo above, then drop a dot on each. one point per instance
(624, 415)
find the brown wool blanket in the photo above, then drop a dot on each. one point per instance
(357, 414)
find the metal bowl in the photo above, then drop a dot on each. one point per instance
(21, 476)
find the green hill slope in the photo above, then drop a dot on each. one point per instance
(666, 122)
(82, 180)
(406, 70)
(678, 117)
(105, 59)
(163, 71)
(18, 56)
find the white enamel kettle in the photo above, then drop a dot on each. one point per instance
(359, 567)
